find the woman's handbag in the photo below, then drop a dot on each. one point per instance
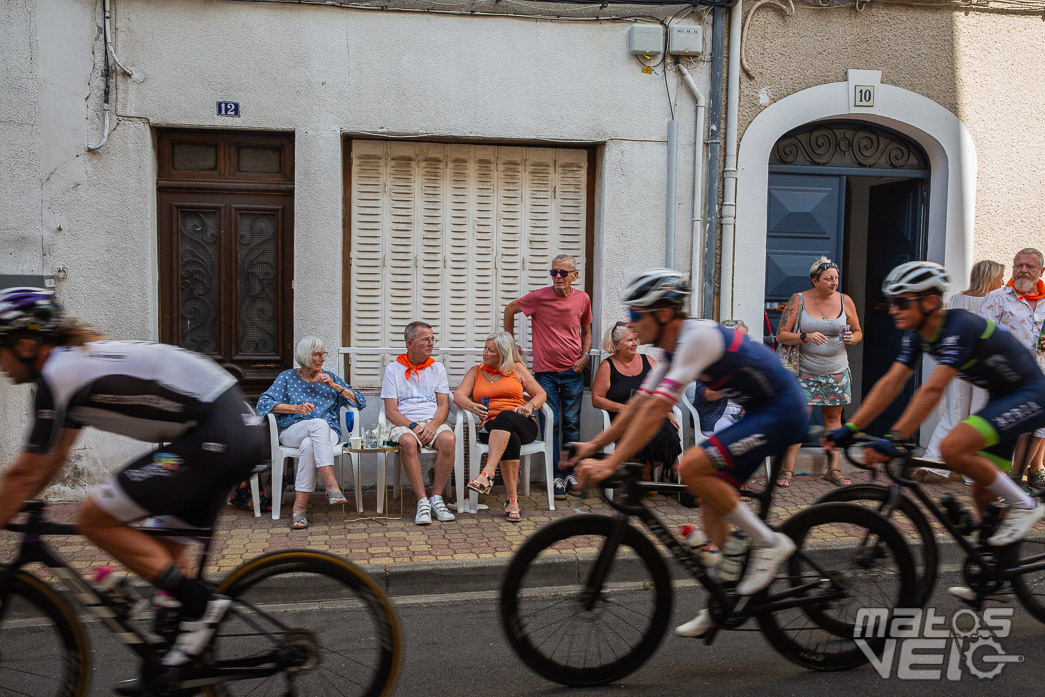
(790, 354)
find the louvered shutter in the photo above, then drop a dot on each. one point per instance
(450, 234)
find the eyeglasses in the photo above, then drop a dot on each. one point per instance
(426, 340)
(636, 315)
(563, 273)
(820, 268)
(320, 354)
(901, 303)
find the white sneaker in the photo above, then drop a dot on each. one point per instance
(194, 635)
(1017, 523)
(762, 564)
(698, 626)
(1002, 595)
(424, 513)
(442, 513)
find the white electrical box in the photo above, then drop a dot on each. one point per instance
(646, 39)
(686, 39)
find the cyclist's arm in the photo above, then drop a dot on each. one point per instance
(622, 424)
(29, 473)
(925, 399)
(642, 416)
(882, 394)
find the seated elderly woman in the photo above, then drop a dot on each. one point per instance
(306, 402)
(508, 423)
(617, 379)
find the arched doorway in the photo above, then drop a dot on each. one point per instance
(856, 192)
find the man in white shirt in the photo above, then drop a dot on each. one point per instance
(416, 394)
(1017, 306)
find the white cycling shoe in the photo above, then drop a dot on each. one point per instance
(1017, 523)
(196, 634)
(1002, 595)
(698, 626)
(763, 563)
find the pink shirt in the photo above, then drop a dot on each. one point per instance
(556, 325)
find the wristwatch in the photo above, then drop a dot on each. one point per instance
(413, 425)
(802, 336)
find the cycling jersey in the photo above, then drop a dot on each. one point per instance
(746, 372)
(983, 353)
(150, 392)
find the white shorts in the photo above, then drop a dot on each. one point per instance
(398, 432)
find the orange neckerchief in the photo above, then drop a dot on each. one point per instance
(1037, 294)
(488, 369)
(415, 368)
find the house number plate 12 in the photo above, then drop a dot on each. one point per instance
(228, 109)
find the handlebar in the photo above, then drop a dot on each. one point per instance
(905, 449)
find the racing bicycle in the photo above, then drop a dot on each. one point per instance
(986, 569)
(262, 646)
(611, 614)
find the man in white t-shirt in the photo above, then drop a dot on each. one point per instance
(416, 393)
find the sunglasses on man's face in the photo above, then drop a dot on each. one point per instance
(559, 272)
(636, 315)
(901, 303)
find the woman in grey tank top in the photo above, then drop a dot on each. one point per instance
(819, 330)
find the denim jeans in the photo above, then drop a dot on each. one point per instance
(565, 389)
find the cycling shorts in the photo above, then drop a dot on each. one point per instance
(188, 480)
(1006, 418)
(738, 450)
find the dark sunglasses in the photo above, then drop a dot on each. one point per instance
(824, 267)
(559, 272)
(901, 303)
(636, 315)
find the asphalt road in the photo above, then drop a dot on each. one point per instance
(455, 648)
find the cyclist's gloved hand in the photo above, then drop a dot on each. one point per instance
(884, 447)
(841, 437)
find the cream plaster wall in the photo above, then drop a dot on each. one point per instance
(321, 73)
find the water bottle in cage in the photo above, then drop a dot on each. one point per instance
(732, 565)
(710, 556)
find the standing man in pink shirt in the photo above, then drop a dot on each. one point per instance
(561, 327)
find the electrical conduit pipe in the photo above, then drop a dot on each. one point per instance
(696, 263)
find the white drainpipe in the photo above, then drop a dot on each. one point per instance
(729, 183)
(696, 262)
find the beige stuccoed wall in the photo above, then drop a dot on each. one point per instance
(980, 66)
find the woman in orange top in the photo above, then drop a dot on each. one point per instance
(509, 423)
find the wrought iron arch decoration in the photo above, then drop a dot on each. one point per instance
(848, 144)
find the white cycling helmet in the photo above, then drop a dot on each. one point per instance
(656, 287)
(917, 277)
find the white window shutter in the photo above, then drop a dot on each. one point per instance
(450, 234)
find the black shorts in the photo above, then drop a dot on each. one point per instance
(1006, 418)
(188, 480)
(521, 430)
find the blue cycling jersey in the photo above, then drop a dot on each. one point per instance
(724, 360)
(982, 352)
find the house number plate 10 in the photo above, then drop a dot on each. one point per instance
(228, 109)
(863, 95)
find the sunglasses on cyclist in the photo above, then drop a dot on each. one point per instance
(636, 315)
(901, 303)
(559, 272)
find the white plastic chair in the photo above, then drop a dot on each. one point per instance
(542, 445)
(610, 447)
(397, 465)
(280, 453)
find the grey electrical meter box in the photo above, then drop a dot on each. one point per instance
(686, 39)
(646, 39)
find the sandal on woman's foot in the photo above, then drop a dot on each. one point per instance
(334, 497)
(783, 479)
(512, 516)
(836, 477)
(299, 521)
(479, 486)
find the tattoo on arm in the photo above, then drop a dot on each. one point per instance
(787, 320)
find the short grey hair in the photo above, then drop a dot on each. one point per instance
(504, 343)
(410, 333)
(566, 257)
(304, 349)
(613, 336)
(1030, 250)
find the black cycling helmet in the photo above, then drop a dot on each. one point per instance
(29, 312)
(655, 289)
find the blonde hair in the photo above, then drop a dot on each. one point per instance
(983, 272)
(613, 336)
(504, 343)
(815, 270)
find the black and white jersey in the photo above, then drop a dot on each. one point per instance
(150, 392)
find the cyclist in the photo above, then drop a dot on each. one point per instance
(977, 351)
(741, 370)
(150, 392)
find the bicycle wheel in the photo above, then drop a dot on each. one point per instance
(863, 557)
(336, 629)
(909, 520)
(543, 610)
(43, 648)
(1030, 587)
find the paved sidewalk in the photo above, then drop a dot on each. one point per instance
(468, 554)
